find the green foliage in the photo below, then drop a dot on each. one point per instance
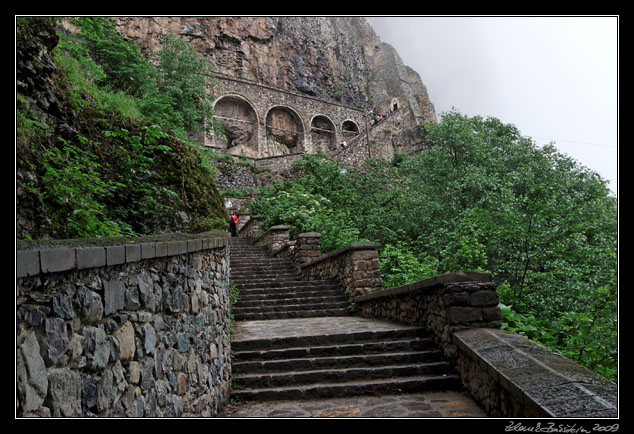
(114, 62)
(74, 184)
(481, 197)
(399, 265)
(99, 193)
(314, 203)
(111, 172)
(179, 98)
(169, 89)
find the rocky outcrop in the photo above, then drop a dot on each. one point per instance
(332, 58)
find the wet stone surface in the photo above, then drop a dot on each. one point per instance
(427, 405)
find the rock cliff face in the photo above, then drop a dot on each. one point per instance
(333, 58)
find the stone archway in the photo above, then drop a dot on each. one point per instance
(239, 122)
(284, 131)
(323, 133)
(349, 129)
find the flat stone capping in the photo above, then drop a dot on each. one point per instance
(309, 235)
(49, 256)
(278, 228)
(432, 282)
(540, 382)
(349, 248)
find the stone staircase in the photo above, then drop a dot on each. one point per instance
(271, 288)
(297, 340)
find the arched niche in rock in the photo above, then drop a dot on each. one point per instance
(349, 129)
(239, 121)
(284, 131)
(323, 133)
(394, 105)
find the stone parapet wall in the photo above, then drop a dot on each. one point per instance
(251, 227)
(274, 238)
(129, 329)
(355, 266)
(510, 376)
(443, 304)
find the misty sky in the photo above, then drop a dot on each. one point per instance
(554, 78)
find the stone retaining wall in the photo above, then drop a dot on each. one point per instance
(508, 375)
(443, 304)
(259, 99)
(138, 329)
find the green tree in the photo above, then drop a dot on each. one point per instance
(121, 62)
(179, 97)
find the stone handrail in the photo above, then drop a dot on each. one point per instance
(117, 328)
(275, 238)
(443, 304)
(251, 228)
(80, 254)
(355, 266)
(510, 376)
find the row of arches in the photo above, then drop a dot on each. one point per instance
(284, 130)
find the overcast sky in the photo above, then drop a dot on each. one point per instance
(554, 78)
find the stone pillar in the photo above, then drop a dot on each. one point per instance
(366, 271)
(307, 248)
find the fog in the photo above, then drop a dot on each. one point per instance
(554, 78)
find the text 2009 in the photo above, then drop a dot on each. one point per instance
(606, 428)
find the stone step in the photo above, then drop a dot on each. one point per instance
(258, 259)
(349, 373)
(337, 338)
(268, 269)
(261, 265)
(250, 278)
(253, 278)
(267, 301)
(381, 346)
(274, 294)
(291, 314)
(241, 309)
(284, 284)
(381, 386)
(337, 362)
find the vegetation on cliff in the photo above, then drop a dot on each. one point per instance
(102, 135)
(481, 198)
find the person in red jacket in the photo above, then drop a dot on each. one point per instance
(233, 224)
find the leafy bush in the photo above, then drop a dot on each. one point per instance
(169, 89)
(399, 265)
